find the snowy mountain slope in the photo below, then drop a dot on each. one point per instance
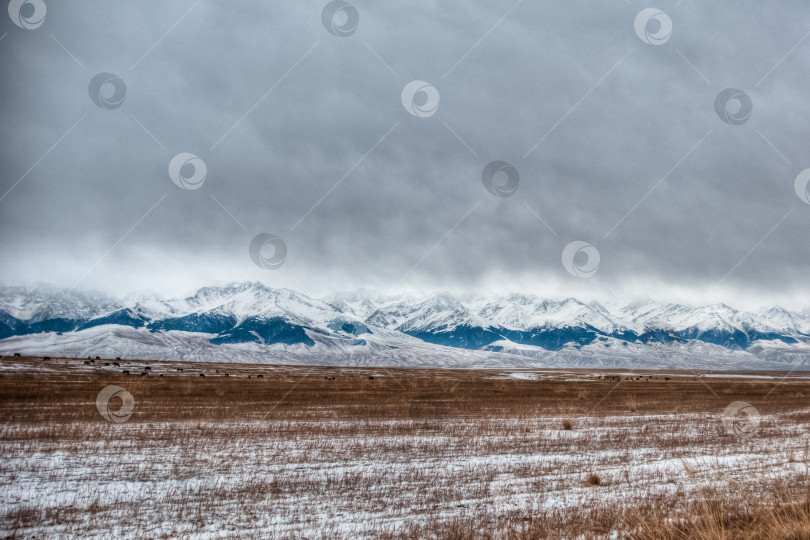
(41, 302)
(237, 313)
(524, 312)
(718, 323)
(363, 303)
(112, 341)
(252, 321)
(442, 320)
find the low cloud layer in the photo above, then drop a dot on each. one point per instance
(615, 136)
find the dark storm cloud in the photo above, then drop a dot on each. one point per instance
(280, 110)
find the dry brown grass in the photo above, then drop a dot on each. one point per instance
(411, 453)
(777, 514)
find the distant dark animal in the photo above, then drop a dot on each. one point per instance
(118, 358)
(106, 363)
(666, 378)
(371, 378)
(248, 376)
(202, 374)
(227, 375)
(144, 374)
(16, 354)
(260, 376)
(125, 372)
(147, 368)
(46, 358)
(115, 363)
(179, 369)
(98, 358)
(86, 363)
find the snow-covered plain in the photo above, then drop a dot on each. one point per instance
(274, 467)
(335, 478)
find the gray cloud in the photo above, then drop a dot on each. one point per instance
(70, 219)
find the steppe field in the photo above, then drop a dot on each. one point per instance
(322, 452)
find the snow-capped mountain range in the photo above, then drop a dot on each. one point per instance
(255, 323)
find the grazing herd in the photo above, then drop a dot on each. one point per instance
(619, 378)
(145, 370)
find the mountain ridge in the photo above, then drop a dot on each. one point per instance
(515, 327)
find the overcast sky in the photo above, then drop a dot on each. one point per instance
(614, 134)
